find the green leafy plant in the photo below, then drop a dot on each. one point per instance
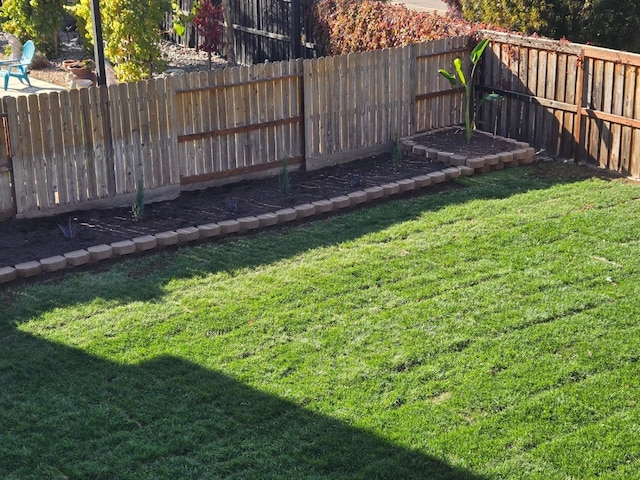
(34, 20)
(396, 152)
(459, 77)
(284, 181)
(607, 23)
(70, 230)
(180, 19)
(131, 29)
(137, 209)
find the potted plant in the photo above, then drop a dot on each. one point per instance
(82, 68)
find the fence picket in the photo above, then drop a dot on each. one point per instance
(616, 109)
(267, 112)
(607, 102)
(627, 111)
(47, 189)
(634, 167)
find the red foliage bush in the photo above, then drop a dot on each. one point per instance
(208, 21)
(343, 26)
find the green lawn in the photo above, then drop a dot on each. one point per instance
(482, 332)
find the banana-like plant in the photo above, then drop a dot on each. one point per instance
(469, 111)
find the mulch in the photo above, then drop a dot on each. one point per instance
(34, 239)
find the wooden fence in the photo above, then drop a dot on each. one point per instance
(573, 101)
(88, 148)
(242, 120)
(271, 30)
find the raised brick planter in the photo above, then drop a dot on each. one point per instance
(29, 269)
(188, 234)
(286, 215)
(229, 226)
(461, 166)
(100, 252)
(77, 257)
(248, 223)
(305, 210)
(145, 242)
(53, 264)
(124, 247)
(209, 230)
(268, 219)
(166, 239)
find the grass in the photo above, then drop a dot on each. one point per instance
(483, 332)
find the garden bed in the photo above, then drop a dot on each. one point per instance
(32, 246)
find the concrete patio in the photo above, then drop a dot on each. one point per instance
(17, 88)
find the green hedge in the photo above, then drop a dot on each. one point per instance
(607, 23)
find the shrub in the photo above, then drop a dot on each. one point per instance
(608, 23)
(343, 26)
(208, 21)
(37, 20)
(131, 29)
(39, 62)
(284, 180)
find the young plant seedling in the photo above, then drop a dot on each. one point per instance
(469, 111)
(396, 152)
(284, 181)
(70, 231)
(137, 209)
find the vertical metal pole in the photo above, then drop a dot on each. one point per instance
(98, 47)
(296, 30)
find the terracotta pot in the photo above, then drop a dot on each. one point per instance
(68, 63)
(81, 72)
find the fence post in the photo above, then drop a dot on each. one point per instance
(7, 179)
(577, 123)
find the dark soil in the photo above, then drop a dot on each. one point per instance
(453, 140)
(34, 239)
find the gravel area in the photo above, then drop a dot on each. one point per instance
(177, 56)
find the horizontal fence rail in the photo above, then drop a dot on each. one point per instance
(91, 148)
(245, 119)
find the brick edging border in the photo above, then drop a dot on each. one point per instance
(457, 166)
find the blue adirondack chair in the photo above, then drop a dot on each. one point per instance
(18, 68)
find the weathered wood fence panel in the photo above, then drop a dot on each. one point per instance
(437, 103)
(355, 105)
(539, 81)
(238, 120)
(90, 147)
(573, 101)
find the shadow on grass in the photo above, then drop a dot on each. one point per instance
(66, 414)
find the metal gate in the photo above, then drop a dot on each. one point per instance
(7, 187)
